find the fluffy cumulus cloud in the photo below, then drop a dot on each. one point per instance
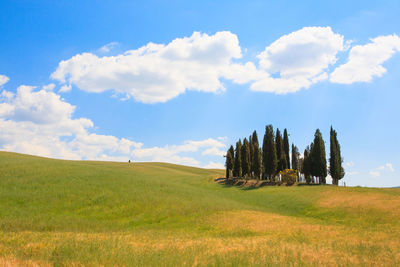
(365, 61)
(39, 122)
(3, 79)
(155, 72)
(40, 107)
(298, 60)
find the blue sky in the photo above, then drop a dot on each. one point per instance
(180, 81)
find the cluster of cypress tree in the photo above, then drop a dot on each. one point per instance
(248, 160)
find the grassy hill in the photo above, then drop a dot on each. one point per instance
(55, 212)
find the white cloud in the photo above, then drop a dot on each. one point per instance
(108, 47)
(298, 60)
(65, 88)
(365, 61)
(162, 154)
(387, 166)
(214, 165)
(172, 154)
(6, 94)
(3, 80)
(214, 151)
(375, 173)
(155, 72)
(49, 87)
(352, 173)
(40, 122)
(350, 164)
(390, 167)
(41, 107)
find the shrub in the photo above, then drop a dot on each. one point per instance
(288, 176)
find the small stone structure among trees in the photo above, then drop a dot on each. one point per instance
(274, 162)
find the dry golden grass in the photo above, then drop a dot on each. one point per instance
(11, 262)
(255, 235)
(381, 202)
(312, 243)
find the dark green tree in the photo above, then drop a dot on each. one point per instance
(269, 158)
(335, 161)
(278, 143)
(256, 162)
(286, 147)
(237, 166)
(250, 156)
(282, 164)
(295, 158)
(300, 166)
(318, 158)
(245, 158)
(232, 150)
(229, 161)
(306, 168)
(280, 153)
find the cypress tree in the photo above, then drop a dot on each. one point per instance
(232, 151)
(306, 168)
(300, 166)
(318, 158)
(280, 153)
(256, 162)
(335, 161)
(254, 139)
(310, 163)
(229, 161)
(295, 158)
(286, 147)
(245, 153)
(282, 165)
(237, 166)
(250, 156)
(278, 143)
(270, 161)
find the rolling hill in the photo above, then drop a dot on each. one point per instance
(87, 213)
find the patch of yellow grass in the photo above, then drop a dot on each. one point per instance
(386, 203)
(12, 262)
(286, 236)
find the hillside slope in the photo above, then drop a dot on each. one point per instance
(105, 213)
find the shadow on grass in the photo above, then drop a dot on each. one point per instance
(246, 188)
(255, 184)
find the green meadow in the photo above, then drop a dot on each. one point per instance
(86, 213)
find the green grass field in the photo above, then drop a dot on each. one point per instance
(82, 213)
